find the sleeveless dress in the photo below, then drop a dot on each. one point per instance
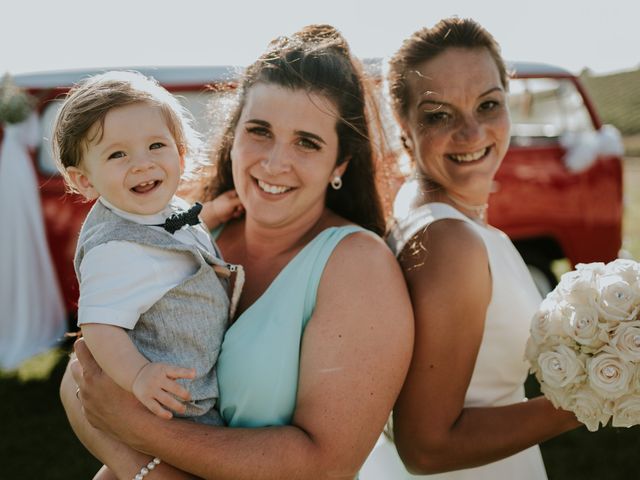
(260, 355)
(500, 369)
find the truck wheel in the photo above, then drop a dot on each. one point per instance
(540, 270)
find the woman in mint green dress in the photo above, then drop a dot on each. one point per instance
(312, 363)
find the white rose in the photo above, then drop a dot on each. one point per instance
(617, 299)
(626, 411)
(609, 375)
(540, 326)
(561, 366)
(596, 267)
(579, 286)
(531, 353)
(589, 408)
(559, 397)
(580, 322)
(635, 381)
(626, 341)
(629, 270)
(543, 321)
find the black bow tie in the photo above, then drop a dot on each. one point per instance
(178, 220)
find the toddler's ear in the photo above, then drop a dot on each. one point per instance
(82, 183)
(182, 151)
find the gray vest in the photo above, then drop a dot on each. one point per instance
(186, 326)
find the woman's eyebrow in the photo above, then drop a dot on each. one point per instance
(304, 133)
(264, 123)
(444, 103)
(491, 90)
(436, 104)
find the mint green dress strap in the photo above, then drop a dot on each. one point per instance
(260, 355)
(215, 233)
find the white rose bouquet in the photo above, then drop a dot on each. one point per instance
(584, 347)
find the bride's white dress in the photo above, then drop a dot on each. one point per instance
(500, 369)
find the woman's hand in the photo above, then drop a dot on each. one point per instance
(121, 407)
(104, 403)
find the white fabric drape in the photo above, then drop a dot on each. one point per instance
(583, 148)
(32, 316)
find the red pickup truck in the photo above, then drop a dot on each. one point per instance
(554, 198)
(558, 193)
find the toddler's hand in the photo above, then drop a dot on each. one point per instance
(221, 209)
(155, 387)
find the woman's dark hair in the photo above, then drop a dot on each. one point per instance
(427, 43)
(317, 59)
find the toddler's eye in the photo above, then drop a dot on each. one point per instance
(156, 145)
(118, 154)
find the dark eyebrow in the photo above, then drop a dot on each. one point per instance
(259, 122)
(439, 102)
(433, 102)
(491, 90)
(301, 133)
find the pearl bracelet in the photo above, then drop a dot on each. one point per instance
(144, 471)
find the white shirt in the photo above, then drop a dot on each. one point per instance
(121, 280)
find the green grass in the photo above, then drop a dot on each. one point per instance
(608, 454)
(617, 98)
(37, 442)
(631, 230)
(632, 145)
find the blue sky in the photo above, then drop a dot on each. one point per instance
(60, 34)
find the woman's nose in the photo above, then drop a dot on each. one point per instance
(276, 160)
(468, 131)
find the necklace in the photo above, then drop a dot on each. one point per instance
(478, 211)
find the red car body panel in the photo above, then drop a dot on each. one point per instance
(537, 197)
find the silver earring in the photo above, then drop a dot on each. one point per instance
(336, 183)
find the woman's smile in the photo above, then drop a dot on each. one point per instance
(460, 131)
(284, 155)
(472, 157)
(273, 189)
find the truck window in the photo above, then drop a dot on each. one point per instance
(542, 109)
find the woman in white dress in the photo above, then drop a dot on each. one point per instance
(462, 409)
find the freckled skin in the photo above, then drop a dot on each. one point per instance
(458, 107)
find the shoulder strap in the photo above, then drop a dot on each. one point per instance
(316, 258)
(418, 219)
